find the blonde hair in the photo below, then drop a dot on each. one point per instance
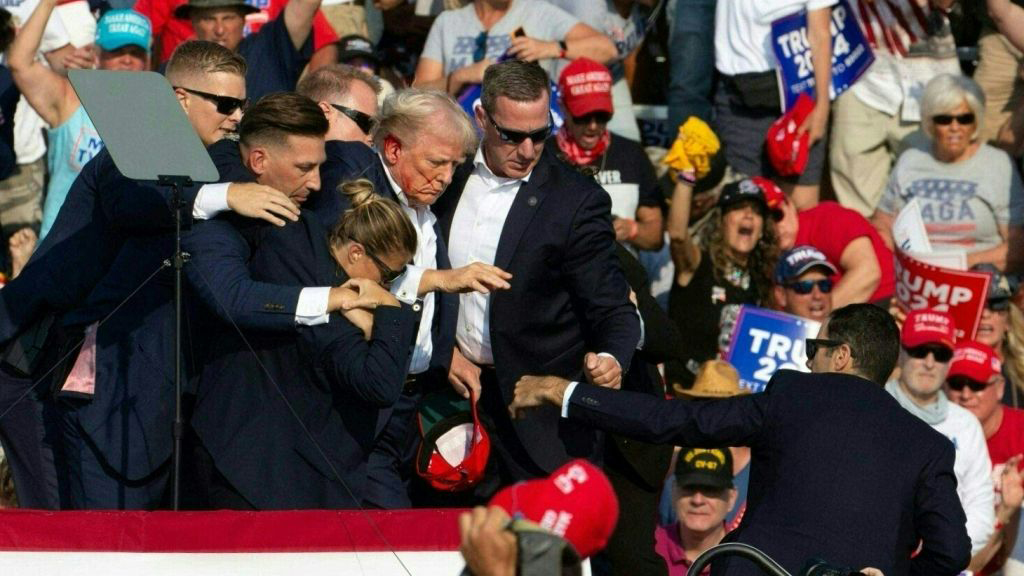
(199, 58)
(1013, 349)
(378, 223)
(407, 112)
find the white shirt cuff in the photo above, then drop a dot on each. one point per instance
(643, 333)
(312, 307)
(211, 200)
(407, 287)
(565, 398)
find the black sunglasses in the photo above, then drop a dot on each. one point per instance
(947, 119)
(998, 304)
(226, 105)
(958, 383)
(365, 122)
(940, 353)
(387, 275)
(812, 346)
(480, 49)
(599, 116)
(516, 137)
(807, 286)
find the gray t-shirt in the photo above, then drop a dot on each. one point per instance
(455, 35)
(962, 204)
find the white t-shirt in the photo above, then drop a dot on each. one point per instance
(972, 467)
(743, 32)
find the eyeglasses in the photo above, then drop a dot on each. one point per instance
(940, 353)
(805, 287)
(958, 383)
(814, 344)
(226, 105)
(947, 119)
(387, 275)
(365, 122)
(480, 50)
(600, 117)
(516, 137)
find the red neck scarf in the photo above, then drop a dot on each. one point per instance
(577, 154)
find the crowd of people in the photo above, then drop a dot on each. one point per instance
(424, 204)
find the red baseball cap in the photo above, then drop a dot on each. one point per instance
(586, 86)
(575, 502)
(773, 195)
(974, 360)
(928, 327)
(454, 449)
(788, 153)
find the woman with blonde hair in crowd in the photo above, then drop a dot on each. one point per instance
(733, 264)
(308, 403)
(970, 195)
(1002, 329)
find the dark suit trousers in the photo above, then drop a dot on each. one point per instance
(27, 428)
(390, 466)
(509, 458)
(91, 483)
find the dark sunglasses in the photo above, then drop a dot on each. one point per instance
(365, 122)
(480, 51)
(226, 105)
(807, 286)
(958, 383)
(947, 119)
(516, 137)
(940, 353)
(599, 117)
(812, 346)
(387, 275)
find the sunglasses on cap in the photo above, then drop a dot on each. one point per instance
(365, 122)
(947, 119)
(387, 275)
(599, 116)
(226, 105)
(958, 383)
(940, 353)
(998, 304)
(805, 287)
(516, 137)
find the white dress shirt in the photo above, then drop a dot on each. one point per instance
(476, 230)
(311, 309)
(406, 287)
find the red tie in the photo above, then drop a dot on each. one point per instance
(82, 379)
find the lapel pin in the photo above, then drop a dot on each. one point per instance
(532, 201)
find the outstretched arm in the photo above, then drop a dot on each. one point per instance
(49, 93)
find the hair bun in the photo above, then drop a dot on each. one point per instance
(359, 192)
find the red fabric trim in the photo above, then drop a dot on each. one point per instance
(869, 28)
(228, 531)
(901, 20)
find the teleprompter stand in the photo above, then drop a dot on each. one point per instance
(149, 138)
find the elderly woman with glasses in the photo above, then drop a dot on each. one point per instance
(969, 193)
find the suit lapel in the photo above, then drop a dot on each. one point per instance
(384, 183)
(528, 200)
(445, 206)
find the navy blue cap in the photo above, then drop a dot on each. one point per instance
(798, 260)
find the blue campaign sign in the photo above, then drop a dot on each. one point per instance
(851, 54)
(764, 341)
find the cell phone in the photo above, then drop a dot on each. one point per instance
(519, 32)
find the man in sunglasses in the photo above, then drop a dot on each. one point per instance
(839, 471)
(975, 381)
(864, 263)
(803, 283)
(348, 97)
(926, 348)
(618, 164)
(568, 310)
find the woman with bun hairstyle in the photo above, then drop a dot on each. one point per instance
(287, 420)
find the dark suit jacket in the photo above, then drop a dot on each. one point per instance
(102, 210)
(335, 382)
(352, 160)
(839, 470)
(219, 269)
(568, 294)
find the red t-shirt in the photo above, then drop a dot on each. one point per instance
(173, 31)
(830, 227)
(1008, 440)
